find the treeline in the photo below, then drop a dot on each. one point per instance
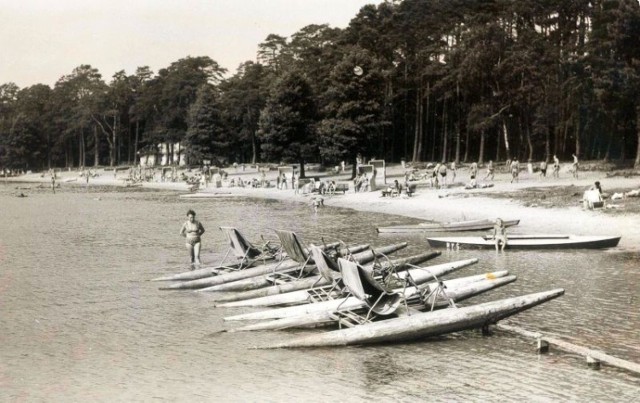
(436, 80)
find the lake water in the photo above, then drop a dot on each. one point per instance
(80, 321)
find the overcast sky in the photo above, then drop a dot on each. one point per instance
(41, 40)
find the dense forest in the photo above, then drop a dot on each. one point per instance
(420, 80)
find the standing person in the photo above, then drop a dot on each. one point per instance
(473, 171)
(500, 234)
(574, 166)
(53, 181)
(453, 171)
(515, 170)
(543, 169)
(490, 170)
(443, 173)
(192, 230)
(434, 176)
(556, 167)
(316, 202)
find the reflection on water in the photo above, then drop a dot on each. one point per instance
(81, 322)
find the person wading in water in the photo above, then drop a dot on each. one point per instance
(192, 230)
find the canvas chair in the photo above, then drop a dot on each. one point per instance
(244, 250)
(294, 248)
(362, 285)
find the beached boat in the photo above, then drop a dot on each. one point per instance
(472, 225)
(517, 241)
(423, 325)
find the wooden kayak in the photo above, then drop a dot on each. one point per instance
(265, 287)
(427, 324)
(261, 270)
(457, 290)
(517, 241)
(471, 225)
(419, 276)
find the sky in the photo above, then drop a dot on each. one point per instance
(42, 40)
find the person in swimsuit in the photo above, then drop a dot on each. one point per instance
(515, 170)
(556, 167)
(473, 170)
(192, 230)
(543, 169)
(574, 166)
(443, 173)
(500, 234)
(490, 170)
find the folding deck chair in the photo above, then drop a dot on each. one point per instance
(361, 284)
(330, 271)
(245, 251)
(295, 250)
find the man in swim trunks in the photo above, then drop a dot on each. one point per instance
(192, 230)
(574, 166)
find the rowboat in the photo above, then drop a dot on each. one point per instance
(530, 242)
(457, 290)
(427, 324)
(286, 266)
(471, 225)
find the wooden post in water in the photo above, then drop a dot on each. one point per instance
(543, 346)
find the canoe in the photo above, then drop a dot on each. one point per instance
(457, 290)
(427, 324)
(285, 266)
(251, 290)
(419, 276)
(292, 293)
(472, 225)
(530, 242)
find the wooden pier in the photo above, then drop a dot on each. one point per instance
(593, 357)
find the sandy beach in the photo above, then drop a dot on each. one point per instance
(525, 200)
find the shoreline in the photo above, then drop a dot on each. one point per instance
(440, 205)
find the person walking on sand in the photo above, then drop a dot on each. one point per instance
(500, 235)
(556, 167)
(490, 170)
(574, 166)
(543, 169)
(316, 202)
(473, 170)
(53, 181)
(192, 230)
(515, 170)
(453, 171)
(443, 173)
